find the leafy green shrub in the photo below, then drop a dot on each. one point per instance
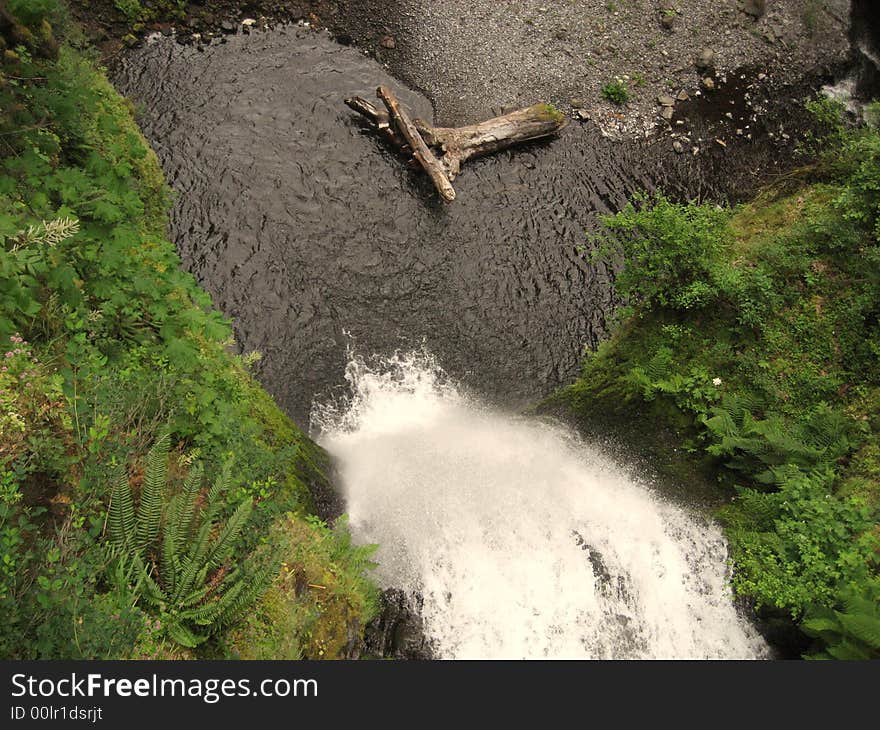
(792, 548)
(616, 92)
(181, 555)
(672, 252)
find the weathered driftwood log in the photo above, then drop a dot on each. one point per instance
(454, 145)
(421, 153)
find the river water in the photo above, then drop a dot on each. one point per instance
(331, 257)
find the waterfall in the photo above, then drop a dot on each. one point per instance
(524, 541)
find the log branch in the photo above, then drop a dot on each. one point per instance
(454, 145)
(421, 153)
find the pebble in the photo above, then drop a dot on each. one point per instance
(683, 95)
(708, 83)
(665, 100)
(678, 147)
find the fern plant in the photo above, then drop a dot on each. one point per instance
(852, 633)
(182, 551)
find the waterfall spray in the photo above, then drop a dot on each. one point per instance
(522, 540)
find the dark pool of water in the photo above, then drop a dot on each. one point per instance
(313, 237)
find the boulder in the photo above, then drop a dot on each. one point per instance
(705, 59)
(755, 8)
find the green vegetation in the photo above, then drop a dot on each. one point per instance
(852, 633)
(110, 355)
(753, 336)
(131, 9)
(616, 92)
(175, 557)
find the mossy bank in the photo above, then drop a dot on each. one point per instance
(112, 353)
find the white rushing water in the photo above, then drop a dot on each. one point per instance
(523, 540)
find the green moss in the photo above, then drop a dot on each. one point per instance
(551, 112)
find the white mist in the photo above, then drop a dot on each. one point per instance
(524, 541)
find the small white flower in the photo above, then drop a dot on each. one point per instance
(716, 381)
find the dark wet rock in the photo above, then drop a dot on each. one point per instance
(398, 632)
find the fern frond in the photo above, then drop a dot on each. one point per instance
(121, 517)
(149, 516)
(168, 563)
(225, 543)
(182, 517)
(184, 636)
(863, 627)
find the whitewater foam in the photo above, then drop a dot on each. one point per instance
(524, 541)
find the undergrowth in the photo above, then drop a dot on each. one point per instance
(753, 334)
(105, 345)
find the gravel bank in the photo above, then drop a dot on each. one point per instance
(476, 58)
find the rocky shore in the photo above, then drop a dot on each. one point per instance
(624, 65)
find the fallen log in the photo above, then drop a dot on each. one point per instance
(441, 151)
(421, 153)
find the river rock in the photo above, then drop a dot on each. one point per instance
(705, 60)
(755, 8)
(683, 95)
(678, 147)
(389, 42)
(665, 100)
(708, 83)
(668, 13)
(666, 112)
